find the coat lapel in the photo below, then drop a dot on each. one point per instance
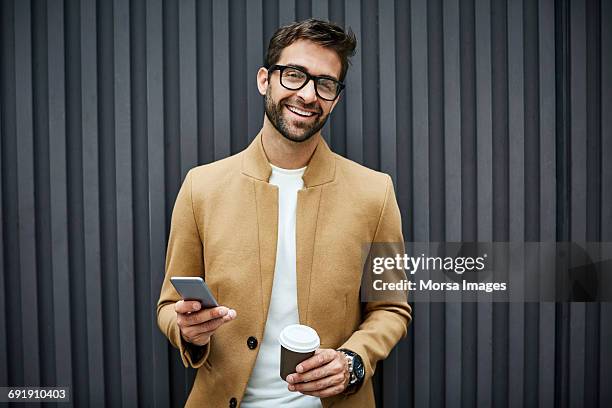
(255, 165)
(305, 230)
(320, 171)
(266, 196)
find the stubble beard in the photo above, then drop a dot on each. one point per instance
(274, 112)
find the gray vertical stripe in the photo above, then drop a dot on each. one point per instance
(371, 87)
(187, 78)
(516, 347)
(484, 352)
(142, 278)
(206, 122)
(577, 345)
(10, 207)
(156, 200)
(237, 74)
(484, 189)
(605, 358)
(286, 12)
(354, 92)
(386, 72)
(3, 322)
(422, 340)
(548, 209)
(578, 119)
(605, 371)
(388, 143)
(516, 193)
(593, 182)
(43, 202)
(483, 118)
(123, 180)
(320, 9)
(452, 176)
(220, 15)
(404, 181)
(255, 60)
(606, 124)
(516, 131)
(546, 349)
(420, 136)
(578, 204)
(548, 169)
(25, 192)
(303, 9)
(91, 201)
(452, 120)
(435, 86)
(453, 353)
(420, 124)
(57, 178)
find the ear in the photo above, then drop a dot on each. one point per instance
(262, 80)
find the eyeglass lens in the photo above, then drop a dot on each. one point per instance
(294, 79)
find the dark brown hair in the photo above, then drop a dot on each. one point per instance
(324, 33)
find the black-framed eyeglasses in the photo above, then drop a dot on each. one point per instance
(294, 79)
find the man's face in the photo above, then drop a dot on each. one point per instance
(300, 114)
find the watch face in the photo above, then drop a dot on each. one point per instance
(360, 372)
(358, 368)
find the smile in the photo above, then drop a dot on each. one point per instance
(300, 112)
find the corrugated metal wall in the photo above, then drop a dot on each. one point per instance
(493, 117)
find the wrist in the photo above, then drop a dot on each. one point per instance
(356, 369)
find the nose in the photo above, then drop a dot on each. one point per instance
(308, 93)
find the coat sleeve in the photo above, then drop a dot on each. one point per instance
(384, 322)
(184, 257)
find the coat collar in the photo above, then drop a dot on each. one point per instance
(321, 167)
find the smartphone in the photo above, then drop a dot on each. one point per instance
(194, 288)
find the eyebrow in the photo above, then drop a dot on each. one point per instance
(303, 68)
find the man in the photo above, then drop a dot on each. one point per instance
(277, 232)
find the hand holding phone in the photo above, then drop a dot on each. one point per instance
(198, 315)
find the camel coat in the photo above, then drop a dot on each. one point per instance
(224, 228)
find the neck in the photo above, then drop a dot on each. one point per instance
(284, 153)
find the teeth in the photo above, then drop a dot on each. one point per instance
(299, 111)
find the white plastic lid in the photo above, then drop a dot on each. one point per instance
(299, 338)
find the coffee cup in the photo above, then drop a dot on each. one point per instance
(298, 343)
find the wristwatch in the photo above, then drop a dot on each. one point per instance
(355, 367)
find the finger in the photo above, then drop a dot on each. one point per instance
(312, 375)
(206, 327)
(322, 356)
(328, 392)
(332, 368)
(189, 333)
(318, 385)
(200, 340)
(205, 315)
(196, 330)
(187, 306)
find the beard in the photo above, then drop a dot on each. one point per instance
(294, 131)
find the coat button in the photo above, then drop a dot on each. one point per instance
(252, 343)
(233, 403)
